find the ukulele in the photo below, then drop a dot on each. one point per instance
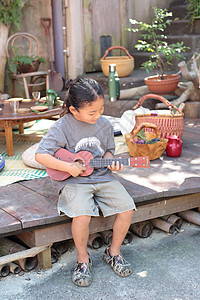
(86, 158)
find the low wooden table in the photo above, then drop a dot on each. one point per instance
(7, 120)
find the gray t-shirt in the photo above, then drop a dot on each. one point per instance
(76, 136)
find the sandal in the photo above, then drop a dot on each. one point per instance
(82, 274)
(119, 265)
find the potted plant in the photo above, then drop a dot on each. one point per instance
(154, 41)
(25, 63)
(193, 12)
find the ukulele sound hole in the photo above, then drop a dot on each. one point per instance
(80, 161)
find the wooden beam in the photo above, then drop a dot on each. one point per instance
(23, 254)
(166, 206)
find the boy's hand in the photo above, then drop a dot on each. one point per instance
(77, 169)
(116, 166)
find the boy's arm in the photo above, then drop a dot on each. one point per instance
(47, 160)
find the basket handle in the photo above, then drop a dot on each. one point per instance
(144, 125)
(158, 97)
(116, 47)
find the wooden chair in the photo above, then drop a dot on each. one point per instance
(28, 44)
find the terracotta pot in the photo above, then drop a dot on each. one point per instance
(164, 86)
(28, 68)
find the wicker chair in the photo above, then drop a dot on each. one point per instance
(31, 46)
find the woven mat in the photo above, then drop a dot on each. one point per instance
(15, 170)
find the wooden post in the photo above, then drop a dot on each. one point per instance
(9, 139)
(21, 128)
(44, 259)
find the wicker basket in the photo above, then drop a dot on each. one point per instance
(124, 64)
(154, 151)
(167, 124)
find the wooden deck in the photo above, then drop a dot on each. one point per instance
(170, 185)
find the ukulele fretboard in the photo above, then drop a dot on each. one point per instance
(105, 162)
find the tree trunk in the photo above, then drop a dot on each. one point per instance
(3, 38)
(134, 92)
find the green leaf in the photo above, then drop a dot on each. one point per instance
(141, 135)
(10, 12)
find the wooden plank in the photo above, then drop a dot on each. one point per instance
(43, 186)
(29, 207)
(8, 223)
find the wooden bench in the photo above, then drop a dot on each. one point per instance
(28, 209)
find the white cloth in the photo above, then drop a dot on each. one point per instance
(127, 120)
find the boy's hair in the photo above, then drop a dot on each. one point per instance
(80, 92)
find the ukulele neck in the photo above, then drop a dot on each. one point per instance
(102, 163)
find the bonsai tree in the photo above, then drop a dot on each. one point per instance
(154, 40)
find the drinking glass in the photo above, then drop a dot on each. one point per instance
(15, 106)
(36, 97)
(50, 101)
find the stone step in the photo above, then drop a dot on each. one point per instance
(181, 27)
(178, 11)
(141, 57)
(189, 40)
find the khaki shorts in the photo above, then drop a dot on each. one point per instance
(79, 199)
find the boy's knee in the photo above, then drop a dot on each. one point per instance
(128, 213)
(82, 220)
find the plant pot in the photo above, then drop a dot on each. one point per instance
(164, 86)
(28, 68)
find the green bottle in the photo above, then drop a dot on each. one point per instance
(117, 83)
(112, 85)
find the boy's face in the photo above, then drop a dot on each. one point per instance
(90, 112)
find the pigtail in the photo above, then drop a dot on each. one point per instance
(66, 103)
(68, 83)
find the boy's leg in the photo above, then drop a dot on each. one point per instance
(120, 229)
(112, 253)
(80, 233)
